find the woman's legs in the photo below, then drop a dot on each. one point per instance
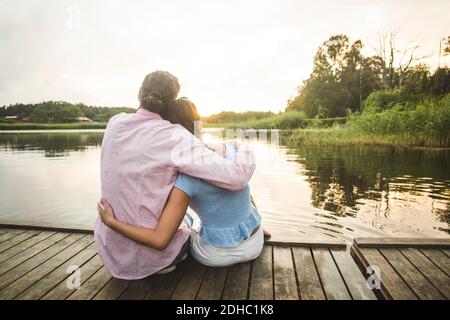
(249, 249)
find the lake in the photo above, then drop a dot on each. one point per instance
(54, 177)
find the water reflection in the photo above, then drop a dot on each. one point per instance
(54, 144)
(403, 185)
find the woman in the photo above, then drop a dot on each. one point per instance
(230, 229)
(140, 160)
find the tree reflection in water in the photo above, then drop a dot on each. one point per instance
(345, 180)
(54, 144)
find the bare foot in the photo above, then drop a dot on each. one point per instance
(267, 234)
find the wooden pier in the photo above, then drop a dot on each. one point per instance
(35, 264)
(409, 269)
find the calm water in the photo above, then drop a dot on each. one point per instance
(317, 192)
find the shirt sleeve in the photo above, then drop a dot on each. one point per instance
(186, 184)
(190, 156)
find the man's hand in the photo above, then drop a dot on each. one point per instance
(106, 212)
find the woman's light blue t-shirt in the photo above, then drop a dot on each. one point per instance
(228, 217)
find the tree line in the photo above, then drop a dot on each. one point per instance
(343, 77)
(60, 112)
(232, 117)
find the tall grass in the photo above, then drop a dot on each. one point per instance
(428, 125)
(346, 136)
(287, 120)
(283, 121)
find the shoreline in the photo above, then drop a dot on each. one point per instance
(51, 126)
(337, 136)
(341, 137)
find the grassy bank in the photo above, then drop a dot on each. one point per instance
(347, 136)
(51, 126)
(282, 121)
(428, 125)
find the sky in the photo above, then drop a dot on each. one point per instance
(228, 55)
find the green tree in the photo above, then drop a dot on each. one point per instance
(233, 117)
(419, 86)
(40, 115)
(60, 111)
(66, 112)
(341, 80)
(447, 46)
(416, 83)
(439, 82)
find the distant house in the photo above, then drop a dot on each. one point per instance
(83, 119)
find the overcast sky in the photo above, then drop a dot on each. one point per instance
(234, 54)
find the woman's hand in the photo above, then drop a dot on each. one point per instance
(158, 237)
(106, 212)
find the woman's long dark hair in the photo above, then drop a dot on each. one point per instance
(182, 111)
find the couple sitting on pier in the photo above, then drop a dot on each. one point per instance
(153, 166)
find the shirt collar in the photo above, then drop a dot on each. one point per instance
(152, 115)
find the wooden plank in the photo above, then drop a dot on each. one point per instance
(361, 263)
(18, 238)
(22, 269)
(213, 284)
(138, 289)
(33, 250)
(435, 275)
(415, 280)
(237, 283)
(163, 285)
(285, 283)
(112, 290)
(355, 281)
(332, 282)
(261, 285)
(27, 280)
(36, 238)
(58, 275)
(92, 286)
(392, 285)
(190, 282)
(308, 279)
(62, 290)
(446, 252)
(279, 239)
(439, 259)
(10, 233)
(45, 226)
(402, 242)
